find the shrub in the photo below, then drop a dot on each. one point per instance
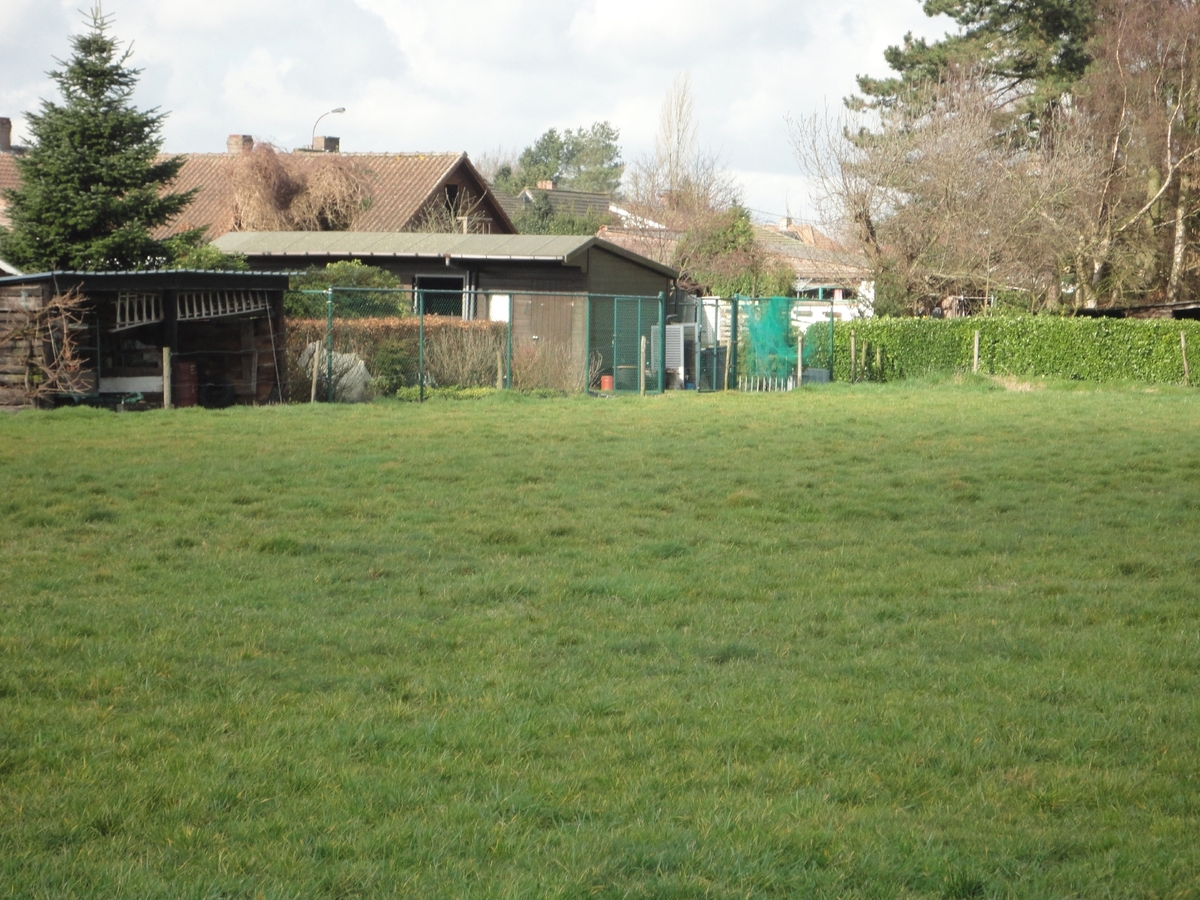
(457, 352)
(347, 304)
(549, 366)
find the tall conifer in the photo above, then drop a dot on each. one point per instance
(92, 185)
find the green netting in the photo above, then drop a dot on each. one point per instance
(769, 338)
(769, 333)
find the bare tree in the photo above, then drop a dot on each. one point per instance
(452, 213)
(950, 187)
(1142, 94)
(490, 162)
(947, 198)
(680, 182)
(685, 206)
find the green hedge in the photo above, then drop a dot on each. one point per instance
(1029, 346)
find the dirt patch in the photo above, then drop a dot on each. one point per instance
(1012, 383)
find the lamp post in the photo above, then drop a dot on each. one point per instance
(313, 139)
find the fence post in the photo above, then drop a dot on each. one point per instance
(975, 354)
(716, 346)
(731, 360)
(587, 344)
(421, 345)
(166, 377)
(329, 345)
(1187, 375)
(316, 371)
(508, 378)
(821, 299)
(799, 359)
(642, 366)
(853, 357)
(662, 342)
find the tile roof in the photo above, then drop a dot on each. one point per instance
(8, 179)
(814, 257)
(214, 205)
(8, 172)
(564, 202)
(398, 184)
(655, 243)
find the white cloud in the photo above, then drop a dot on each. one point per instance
(468, 74)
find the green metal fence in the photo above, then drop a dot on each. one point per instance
(351, 344)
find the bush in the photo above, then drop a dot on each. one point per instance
(347, 304)
(1083, 349)
(390, 349)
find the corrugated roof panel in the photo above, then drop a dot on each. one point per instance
(358, 243)
(365, 245)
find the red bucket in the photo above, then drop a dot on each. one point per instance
(607, 383)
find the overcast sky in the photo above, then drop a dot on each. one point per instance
(478, 75)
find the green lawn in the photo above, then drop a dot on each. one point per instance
(925, 640)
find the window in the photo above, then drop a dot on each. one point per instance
(444, 296)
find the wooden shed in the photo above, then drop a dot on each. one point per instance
(224, 332)
(542, 281)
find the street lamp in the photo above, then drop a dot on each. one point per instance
(313, 140)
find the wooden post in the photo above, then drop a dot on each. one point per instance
(799, 359)
(315, 363)
(642, 367)
(499, 370)
(853, 357)
(254, 377)
(975, 354)
(166, 378)
(725, 383)
(1187, 375)
(878, 362)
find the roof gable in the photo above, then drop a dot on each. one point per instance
(398, 188)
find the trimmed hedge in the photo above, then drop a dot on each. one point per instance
(1029, 346)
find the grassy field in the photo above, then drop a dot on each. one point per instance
(874, 641)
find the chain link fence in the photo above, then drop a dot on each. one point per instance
(351, 344)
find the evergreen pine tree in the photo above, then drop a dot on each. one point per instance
(1035, 47)
(92, 185)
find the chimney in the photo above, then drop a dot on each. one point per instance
(324, 144)
(548, 185)
(5, 135)
(239, 143)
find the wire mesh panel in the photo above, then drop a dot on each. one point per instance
(550, 341)
(351, 344)
(713, 360)
(626, 342)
